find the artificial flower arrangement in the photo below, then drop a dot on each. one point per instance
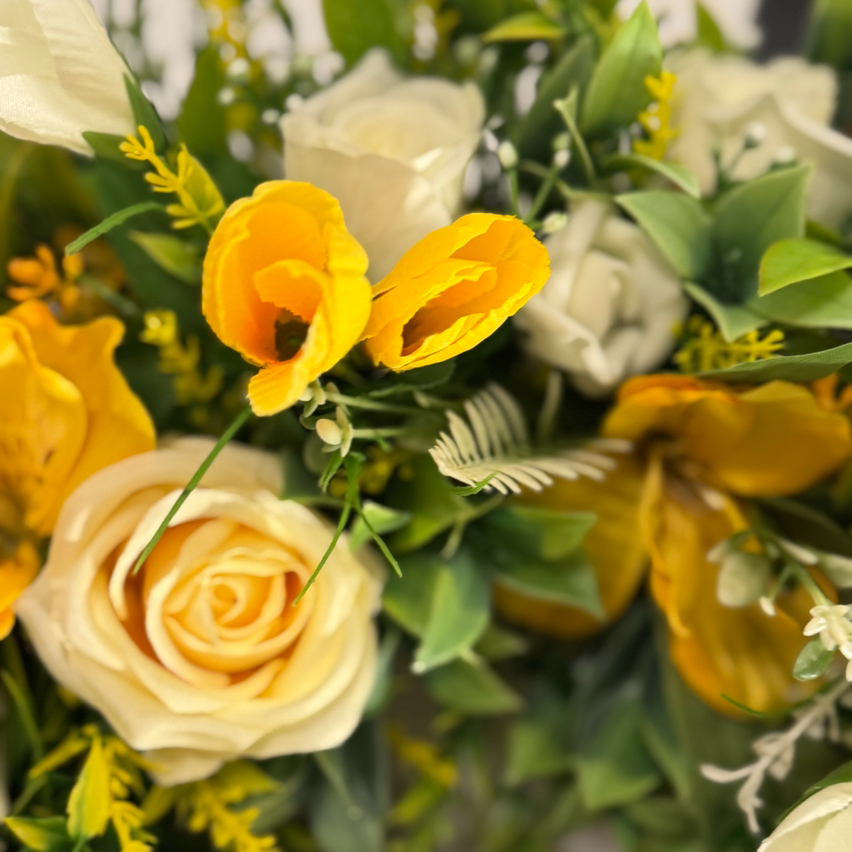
(476, 471)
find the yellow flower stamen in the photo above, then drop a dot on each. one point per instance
(707, 349)
(656, 119)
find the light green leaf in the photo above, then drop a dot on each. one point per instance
(408, 599)
(813, 661)
(105, 146)
(709, 34)
(47, 834)
(790, 368)
(733, 320)
(354, 28)
(678, 225)
(679, 175)
(458, 615)
(789, 261)
(829, 38)
(111, 222)
(837, 568)
(525, 26)
(472, 688)
(498, 643)
(614, 767)
(548, 534)
(171, 253)
(617, 91)
(824, 302)
(750, 218)
(144, 112)
(383, 519)
(89, 802)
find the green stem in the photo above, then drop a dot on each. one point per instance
(341, 525)
(541, 196)
(370, 404)
(803, 576)
(119, 302)
(30, 792)
(512, 174)
(387, 432)
(19, 699)
(227, 435)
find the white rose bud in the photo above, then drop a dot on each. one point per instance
(61, 75)
(611, 304)
(507, 154)
(392, 150)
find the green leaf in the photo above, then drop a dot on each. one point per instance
(547, 534)
(382, 519)
(89, 802)
(617, 91)
(299, 482)
(542, 123)
(408, 599)
(47, 834)
(709, 34)
(829, 37)
(841, 775)
(824, 302)
(144, 112)
(176, 256)
(105, 145)
(678, 225)
(679, 175)
(789, 261)
(790, 368)
(813, 661)
(202, 123)
(498, 643)
(354, 28)
(837, 568)
(458, 615)
(733, 320)
(472, 688)
(525, 26)
(538, 745)
(614, 766)
(109, 223)
(749, 219)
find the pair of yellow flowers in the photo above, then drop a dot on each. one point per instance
(285, 286)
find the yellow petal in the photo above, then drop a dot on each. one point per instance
(16, 573)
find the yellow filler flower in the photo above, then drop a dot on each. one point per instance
(65, 412)
(704, 449)
(284, 285)
(453, 289)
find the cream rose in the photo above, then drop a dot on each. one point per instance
(611, 304)
(822, 823)
(720, 100)
(202, 658)
(61, 75)
(392, 150)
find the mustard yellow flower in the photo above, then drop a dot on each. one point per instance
(284, 285)
(453, 289)
(17, 571)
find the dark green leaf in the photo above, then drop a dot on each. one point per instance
(202, 122)
(547, 534)
(105, 145)
(472, 689)
(829, 38)
(733, 320)
(111, 222)
(790, 368)
(798, 259)
(678, 225)
(458, 614)
(354, 28)
(498, 643)
(144, 112)
(617, 91)
(45, 834)
(813, 661)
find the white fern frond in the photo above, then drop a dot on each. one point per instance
(494, 442)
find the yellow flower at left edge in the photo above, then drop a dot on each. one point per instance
(65, 412)
(284, 285)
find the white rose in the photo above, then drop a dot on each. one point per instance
(720, 100)
(736, 19)
(822, 823)
(611, 304)
(202, 658)
(392, 150)
(61, 75)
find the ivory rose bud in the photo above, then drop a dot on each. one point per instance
(392, 151)
(61, 75)
(202, 657)
(719, 101)
(453, 289)
(611, 305)
(821, 823)
(284, 285)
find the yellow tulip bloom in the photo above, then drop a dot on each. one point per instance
(284, 285)
(453, 289)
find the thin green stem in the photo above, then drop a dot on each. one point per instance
(541, 196)
(812, 587)
(512, 175)
(227, 435)
(370, 404)
(341, 525)
(386, 432)
(119, 302)
(25, 711)
(29, 793)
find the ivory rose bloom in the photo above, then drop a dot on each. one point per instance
(822, 823)
(61, 75)
(284, 285)
(453, 289)
(392, 150)
(202, 658)
(611, 305)
(719, 100)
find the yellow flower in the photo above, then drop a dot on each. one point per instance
(65, 412)
(284, 285)
(453, 289)
(16, 573)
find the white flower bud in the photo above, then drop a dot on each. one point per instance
(768, 606)
(554, 222)
(329, 432)
(507, 154)
(561, 158)
(742, 578)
